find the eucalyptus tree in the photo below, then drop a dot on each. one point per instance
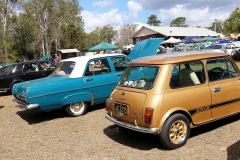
(7, 12)
(51, 16)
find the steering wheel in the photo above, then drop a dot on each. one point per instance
(214, 73)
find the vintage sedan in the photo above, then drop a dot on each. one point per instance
(169, 94)
(15, 73)
(74, 85)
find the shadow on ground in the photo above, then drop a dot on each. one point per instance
(233, 151)
(213, 125)
(4, 93)
(133, 139)
(1, 107)
(34, 117)
(144, 141)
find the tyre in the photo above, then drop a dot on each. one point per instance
(175, 131)
(76, 109)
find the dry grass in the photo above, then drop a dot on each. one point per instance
(53, 135)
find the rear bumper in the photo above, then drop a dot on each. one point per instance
(132, 127)
(25, 105)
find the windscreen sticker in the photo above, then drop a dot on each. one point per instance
(130, 83)
(125, 83)
(134, 84)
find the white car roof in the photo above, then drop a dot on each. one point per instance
(82, 61)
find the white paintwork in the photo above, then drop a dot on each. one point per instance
(69, 50)
(82, 61)
(174, 31)
(171, 40)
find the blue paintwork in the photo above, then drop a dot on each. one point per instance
(145, 48)
(45, 57)
(53, 92)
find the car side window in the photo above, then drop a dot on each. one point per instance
(231, 69)
(46, 66)
(30, 67)
(187, 74)
(97, 67)
(119, 63)
(217, 69)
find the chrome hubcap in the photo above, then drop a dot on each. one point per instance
(77, 107)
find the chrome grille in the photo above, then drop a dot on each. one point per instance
(21, 98)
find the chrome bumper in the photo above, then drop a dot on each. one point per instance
(132, 127)
(25, 105)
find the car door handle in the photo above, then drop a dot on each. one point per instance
(217, 89)
(119, 74)
(90, 79)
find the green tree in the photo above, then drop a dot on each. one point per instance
(179, 22)
(153, 20)
(7, 14)
(232, 24)
(105, 34)
(216, 26)
(198, 27)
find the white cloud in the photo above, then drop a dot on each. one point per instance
(134, 8)
(140, 25)
(105, 3)
(194, 17)
(92, 20)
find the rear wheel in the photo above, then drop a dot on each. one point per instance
(76, 109)
(175, 131)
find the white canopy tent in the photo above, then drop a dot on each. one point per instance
(171, 40)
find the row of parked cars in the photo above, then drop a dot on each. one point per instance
(164, 95)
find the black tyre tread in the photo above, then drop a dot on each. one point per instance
(71, 114)
(164, 137)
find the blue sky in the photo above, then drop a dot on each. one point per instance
(118, 12)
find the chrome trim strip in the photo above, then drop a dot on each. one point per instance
(71, 90)
(132, 127)
(25, 105)
(3, 89)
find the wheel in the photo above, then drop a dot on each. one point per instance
(175, 131)
(76, 109)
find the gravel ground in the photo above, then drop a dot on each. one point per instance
(53, 135)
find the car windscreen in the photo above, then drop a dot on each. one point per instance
(64, 69)
(214, 47)
(6, 70)
(142, 77)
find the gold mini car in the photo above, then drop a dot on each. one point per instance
(169, 94)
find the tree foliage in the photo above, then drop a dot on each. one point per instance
(216, 26)
(179, 22)
(153, 20)
(232, 24)
(105, 34)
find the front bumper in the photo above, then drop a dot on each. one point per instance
(25, 105)
(132, 127)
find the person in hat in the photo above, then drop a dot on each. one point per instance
(57, 59)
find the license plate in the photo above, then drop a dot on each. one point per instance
(122, 108)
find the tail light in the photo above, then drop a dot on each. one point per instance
(106, 105)
(148, 115)
(25, 92)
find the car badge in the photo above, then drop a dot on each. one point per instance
(16, 90)
(135, 115)
(120, 114)
(23, 92)
(123, 93)
(121, 98)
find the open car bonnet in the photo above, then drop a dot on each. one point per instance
(145, 48)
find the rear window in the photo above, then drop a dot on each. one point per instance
(139, 77)
(64, 69)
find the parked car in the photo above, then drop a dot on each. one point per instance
(25, 71)
(168, 94)
(228, 48)
(74, 85)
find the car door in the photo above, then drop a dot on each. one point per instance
(6, 77)
(119, 64)
(224, 86)
(99, 79)
(30, 71)
(46, 68)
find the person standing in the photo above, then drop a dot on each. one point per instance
(57, 59)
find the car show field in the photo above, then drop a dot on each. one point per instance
(54, 135)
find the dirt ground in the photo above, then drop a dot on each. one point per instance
(53, 135)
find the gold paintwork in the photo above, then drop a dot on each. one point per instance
(167, 101)
(178, 131)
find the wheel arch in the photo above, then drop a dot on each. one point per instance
(172, 112)
(15, 81)
(75, 98)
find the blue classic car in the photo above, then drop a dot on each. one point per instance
(74, 85)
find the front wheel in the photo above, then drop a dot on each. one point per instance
(76, 109)
(175, 131)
